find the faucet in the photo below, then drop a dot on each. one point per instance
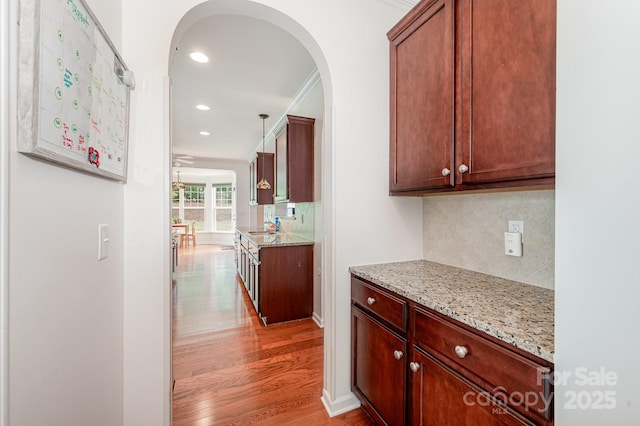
(272, 226)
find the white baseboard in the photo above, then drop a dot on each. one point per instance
(339, 406)
(318, 320)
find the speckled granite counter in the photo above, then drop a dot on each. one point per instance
(278, 239)
(516, 313)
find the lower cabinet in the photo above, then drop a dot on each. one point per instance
(278, 280)
(285, 292)
(413, 366)
(442, 397)
(379, 372)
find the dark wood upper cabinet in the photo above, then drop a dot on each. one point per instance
(472, 96)
(508, 70)
(261, 166)
(294, 160)
(422, 99)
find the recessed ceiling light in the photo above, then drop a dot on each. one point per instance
(203, 107)
(199, 57)
(203, 133)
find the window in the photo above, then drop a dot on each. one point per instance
(222, 209)
(211, 205)
(193, 203)
(175, 204)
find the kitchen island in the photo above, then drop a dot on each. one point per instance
(276, 270)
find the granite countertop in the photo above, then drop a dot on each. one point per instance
(277, 239)
(516, 313)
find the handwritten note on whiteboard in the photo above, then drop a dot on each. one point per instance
(76, 112)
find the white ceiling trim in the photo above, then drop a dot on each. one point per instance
(401, 4)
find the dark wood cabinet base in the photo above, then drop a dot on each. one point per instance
(286, 283)
(413, 366)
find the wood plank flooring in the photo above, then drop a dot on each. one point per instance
(231, 370)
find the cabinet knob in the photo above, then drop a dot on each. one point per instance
(461, 351)
(414, 366)
(371, 300)
(463, 168)
(446, 172)
(397, 354)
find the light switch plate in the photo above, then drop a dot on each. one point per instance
(103, 241)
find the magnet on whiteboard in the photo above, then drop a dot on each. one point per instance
(94, 156)
(127, 77)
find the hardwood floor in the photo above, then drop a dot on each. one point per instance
(231, 370)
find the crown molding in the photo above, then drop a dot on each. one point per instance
(404, 5)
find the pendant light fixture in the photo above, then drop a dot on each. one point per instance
(263, 184)
(178, 184)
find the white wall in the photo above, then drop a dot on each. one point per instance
(348, 42)
(4, 210)
(65, 332)
(597, 205)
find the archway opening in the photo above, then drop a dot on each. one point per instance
(324, 185)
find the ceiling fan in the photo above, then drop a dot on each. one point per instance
(179, 160)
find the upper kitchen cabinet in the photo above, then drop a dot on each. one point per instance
(422, 98)
(473, 96)
(261, 167)
(294, 160)
(508, 73)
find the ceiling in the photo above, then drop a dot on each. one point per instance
(254, 67)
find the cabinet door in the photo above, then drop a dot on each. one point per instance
(422, 100)
(285, 283)
(379, 377)
(282, 167)
(300, 159)
(508, 89)
(256, 287)
(442, 397)
(252, 182)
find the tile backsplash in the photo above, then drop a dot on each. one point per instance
(302, 225)
(467, 231)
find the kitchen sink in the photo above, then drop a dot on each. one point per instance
(261, 232)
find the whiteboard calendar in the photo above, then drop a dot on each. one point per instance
(73, 89)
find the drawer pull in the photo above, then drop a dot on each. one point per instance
(461, 351)
(414, 366)
(371, 300)
(397, 354)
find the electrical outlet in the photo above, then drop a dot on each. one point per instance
(516, 226)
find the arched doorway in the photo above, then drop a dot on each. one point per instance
(325, 188)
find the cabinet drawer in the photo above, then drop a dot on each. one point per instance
(383, 304)
(504, 373)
